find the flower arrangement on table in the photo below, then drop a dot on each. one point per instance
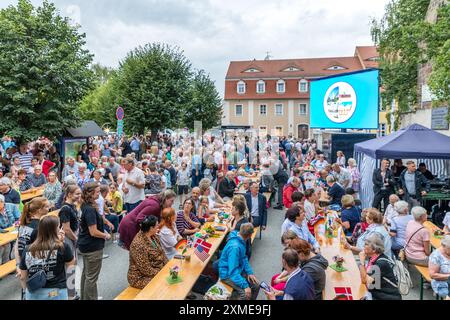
(174, 276)
(338, 264)
(439, 234)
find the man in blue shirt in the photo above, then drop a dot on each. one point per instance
(335, 191)
(234, 268)
(299, 286)
(135, 146)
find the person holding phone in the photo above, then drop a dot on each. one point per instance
(299, 285)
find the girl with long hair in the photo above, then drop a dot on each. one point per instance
(50, 254)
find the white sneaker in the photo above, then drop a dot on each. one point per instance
(105, 256)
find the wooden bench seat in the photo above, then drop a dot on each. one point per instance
(128, 294)
(7, 268)
(424, 276)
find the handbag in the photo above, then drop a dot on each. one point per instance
(402, 253)
(39, 279)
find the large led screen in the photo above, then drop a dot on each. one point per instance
(346, 101)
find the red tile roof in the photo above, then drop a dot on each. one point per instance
(315, 67)
(365, 53)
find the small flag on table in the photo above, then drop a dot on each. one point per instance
(201, 253)
(343, 293)
(206, 246)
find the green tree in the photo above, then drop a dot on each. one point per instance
(44, 71)
(153, 86)
(398, 36)
(406, 41)
(438, 49)
(204, 104)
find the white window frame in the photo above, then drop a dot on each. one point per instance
(257, 86)
(300, 109)
(282, 109)
(284, 86)
(275, 128)
(300, 85)
(235, 110)
(265, 131)
(239, 84)
(336, 67)
(260, 113)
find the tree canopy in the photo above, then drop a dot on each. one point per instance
(406, 41)
(44, 71)
(158, 89)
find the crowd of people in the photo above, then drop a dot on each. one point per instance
(124, 191)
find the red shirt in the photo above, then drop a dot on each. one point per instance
(46, 166)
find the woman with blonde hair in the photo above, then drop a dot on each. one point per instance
(168, 232)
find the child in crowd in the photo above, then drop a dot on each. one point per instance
(203, 209)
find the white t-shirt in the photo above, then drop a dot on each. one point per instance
(310, 210)
(390, 213)
(134, 194)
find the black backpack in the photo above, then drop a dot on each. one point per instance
(438, 215)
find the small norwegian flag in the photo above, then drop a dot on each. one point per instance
(201, 253)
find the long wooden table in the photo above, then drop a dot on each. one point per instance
(12, 234)
(350, 278)
(431, 227)
(159, 289)
(30, 195)
(9, 237)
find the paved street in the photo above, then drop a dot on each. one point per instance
(266, 261)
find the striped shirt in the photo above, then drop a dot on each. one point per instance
(25, 159)
(182, 224)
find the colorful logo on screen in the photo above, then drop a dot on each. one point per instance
(340, 102)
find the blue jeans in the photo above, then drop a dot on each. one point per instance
(47, 294)
(114, 220)
(195, 179)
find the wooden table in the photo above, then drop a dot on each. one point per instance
(431, 227)
(351, 278)
(159, 289)
(9, 237)
(31, 195)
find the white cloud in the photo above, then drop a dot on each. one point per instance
(214, 32)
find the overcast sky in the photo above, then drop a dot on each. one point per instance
(214, 32)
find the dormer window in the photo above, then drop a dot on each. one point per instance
(260, 86)
(303, 86)
(333, 68)
(252, 70)
(281, 86)
(292, 68)
(241, 87)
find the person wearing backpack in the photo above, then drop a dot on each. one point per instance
(43, 264)
(377, 270)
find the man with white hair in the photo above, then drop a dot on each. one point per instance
(11, 195)
(227, 186)
(417, 248)
(37, 179)
(71, 165)
(398, 225)
(390, 212)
